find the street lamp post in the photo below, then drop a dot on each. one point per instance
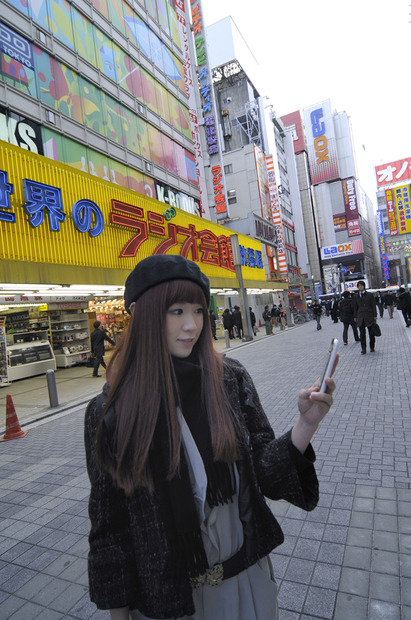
(245, 311)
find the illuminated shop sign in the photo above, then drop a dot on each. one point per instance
(42, 218)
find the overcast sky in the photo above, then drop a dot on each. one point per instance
(357, 53)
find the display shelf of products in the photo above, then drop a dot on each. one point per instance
(70, 337)
(29, 359)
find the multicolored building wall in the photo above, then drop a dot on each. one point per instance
(127, 87)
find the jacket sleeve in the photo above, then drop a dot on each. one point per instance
(282, 471)
(111, 566)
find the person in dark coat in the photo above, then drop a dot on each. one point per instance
(379, 300)
(213, 324)
(97, 347)
(389, 304)
(228, 323)
(238, 321)
(334, 309)
(317, 312)
(347, 316)
(181, 456)
(253, 321)
(267, 321)
(365, 315)
(403, 299)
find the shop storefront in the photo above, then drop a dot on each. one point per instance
(68, 242)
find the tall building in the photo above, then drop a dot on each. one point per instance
(394, 220)
(339, 215)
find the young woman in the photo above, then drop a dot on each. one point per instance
(180, 455)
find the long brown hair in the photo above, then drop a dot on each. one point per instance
(142, 380)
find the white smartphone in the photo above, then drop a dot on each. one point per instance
(332, 352)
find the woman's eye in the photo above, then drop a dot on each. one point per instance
(200, 311)
(175, 311)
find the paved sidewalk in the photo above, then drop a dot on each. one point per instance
(349, 559)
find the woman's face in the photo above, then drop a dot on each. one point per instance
(184, 324)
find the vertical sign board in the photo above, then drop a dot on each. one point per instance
(321, 143)
(381, 243)
(351, 207)
(205, 86)
(189, 86)
(402, 202)
(392, 218)
(276, 216)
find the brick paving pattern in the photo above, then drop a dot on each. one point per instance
(349, 559)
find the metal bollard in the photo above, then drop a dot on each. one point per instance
(227, 338)
(52, 388)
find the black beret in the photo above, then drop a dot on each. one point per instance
(162, 268)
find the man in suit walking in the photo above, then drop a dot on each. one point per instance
(365, 315)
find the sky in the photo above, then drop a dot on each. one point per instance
(357, 53)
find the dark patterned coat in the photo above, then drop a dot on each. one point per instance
(128, 543)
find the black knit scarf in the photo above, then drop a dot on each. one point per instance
(180, 515)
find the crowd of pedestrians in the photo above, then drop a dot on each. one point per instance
(360, 310)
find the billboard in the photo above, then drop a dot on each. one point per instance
(351, 207)
(321, 143)
(392, 218)
(394, 172)
(294, 122)
(338, 250)
(402, 202)
(381, 243)
(54, 215)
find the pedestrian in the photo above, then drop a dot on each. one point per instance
(317, 312)
(267, 321)
(347, 317)
(97, 339)
(253, 321)
(334, 309)
(365, 315)
(238, 322)
(403, 299)
(228, 323)
(389, 304)
(327, 307)
(213, 324)
(274, 315)
(180, 455)
(379, 300)
(283, 320)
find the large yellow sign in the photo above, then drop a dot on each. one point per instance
(55, 215)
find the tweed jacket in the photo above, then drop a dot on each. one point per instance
(365, 309)
(128, 543)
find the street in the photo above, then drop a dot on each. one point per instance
(349, 559)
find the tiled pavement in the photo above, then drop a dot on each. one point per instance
(349, 559)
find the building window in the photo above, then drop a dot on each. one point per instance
(228, 169)
(231, 195)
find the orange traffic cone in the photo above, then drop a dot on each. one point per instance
(13, 428)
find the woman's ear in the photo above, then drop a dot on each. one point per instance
(131, 307)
